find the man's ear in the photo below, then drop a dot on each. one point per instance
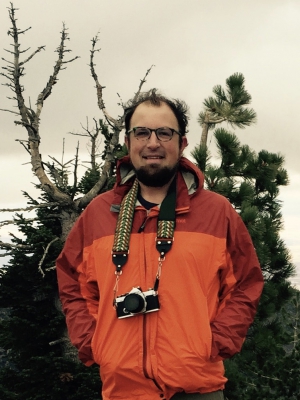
(127, 142)
(184, 143)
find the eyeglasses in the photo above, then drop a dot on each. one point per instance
(163, 134)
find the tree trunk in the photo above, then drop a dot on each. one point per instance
(67, 217)
(204, 135)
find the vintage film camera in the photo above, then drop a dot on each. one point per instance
(136, 302)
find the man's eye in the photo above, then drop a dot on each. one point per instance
(141, 133)
(165, 133)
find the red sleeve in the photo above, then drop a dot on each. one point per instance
(241, 284)
(78, 292)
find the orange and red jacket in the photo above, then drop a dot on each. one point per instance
(209, 290)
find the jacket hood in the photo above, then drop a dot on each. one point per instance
(192, 176)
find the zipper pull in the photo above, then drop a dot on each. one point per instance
(142, 227)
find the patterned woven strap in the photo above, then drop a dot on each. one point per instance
(165, 229)
(125, 218)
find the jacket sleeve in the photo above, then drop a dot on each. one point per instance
(241, 284)
(78, 291)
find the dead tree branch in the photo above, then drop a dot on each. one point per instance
(32, 55)
(142, 83)
(24, 143)
(75, 176)
(10, 246)
(44, 256)
(116, 124)
(111, 121)
(30, 119)
(3, 109)
(29, 208)
(53, 177)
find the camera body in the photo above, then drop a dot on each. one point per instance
(136, 302)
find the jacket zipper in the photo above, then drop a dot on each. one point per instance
(145, 347)
(145, 350)
(142, 227)
(145, 353)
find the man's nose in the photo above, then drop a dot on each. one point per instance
(153, 141)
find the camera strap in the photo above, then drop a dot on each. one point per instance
(120, 248)
(165, 227)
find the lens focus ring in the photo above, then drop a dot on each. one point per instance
(134, 302)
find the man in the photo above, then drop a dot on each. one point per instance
(158, 278)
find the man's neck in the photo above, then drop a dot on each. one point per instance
(154, 194)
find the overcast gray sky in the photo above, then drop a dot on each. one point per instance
(194, 45)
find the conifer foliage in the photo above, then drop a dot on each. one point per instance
(227, 105)
(251, 181)
(37, 363)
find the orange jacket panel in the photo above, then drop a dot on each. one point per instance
(208, 292)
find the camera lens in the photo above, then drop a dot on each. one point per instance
(134, 303)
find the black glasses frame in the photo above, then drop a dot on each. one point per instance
(150, 130)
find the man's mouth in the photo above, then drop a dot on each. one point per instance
(153, 157)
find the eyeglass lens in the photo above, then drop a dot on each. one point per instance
(163, 134)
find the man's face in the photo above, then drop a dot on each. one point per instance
(154, 161)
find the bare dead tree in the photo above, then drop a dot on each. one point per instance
(51, 175)
(93, 135)
(29, 118)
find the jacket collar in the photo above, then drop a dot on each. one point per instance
(189, 180)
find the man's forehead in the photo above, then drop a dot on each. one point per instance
(154, 116)
(147, 107)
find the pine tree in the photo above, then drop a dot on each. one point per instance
(251, 182)
(39, 363)
(227, 105)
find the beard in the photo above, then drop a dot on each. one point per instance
(154, 176)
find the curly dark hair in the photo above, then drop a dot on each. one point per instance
(179, 108)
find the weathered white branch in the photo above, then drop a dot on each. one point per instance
(111, 121)
(23, 144)
(267, 377)
(11, 246)
(32, 55)
(13, 112)
(42, 205)
(61, 340)
(116, 124)
(72, 59)
(142, 83)
(44, 256)
(62, 164)
(31, 119)
(75, 177)
(78, 134)
(50, 268)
